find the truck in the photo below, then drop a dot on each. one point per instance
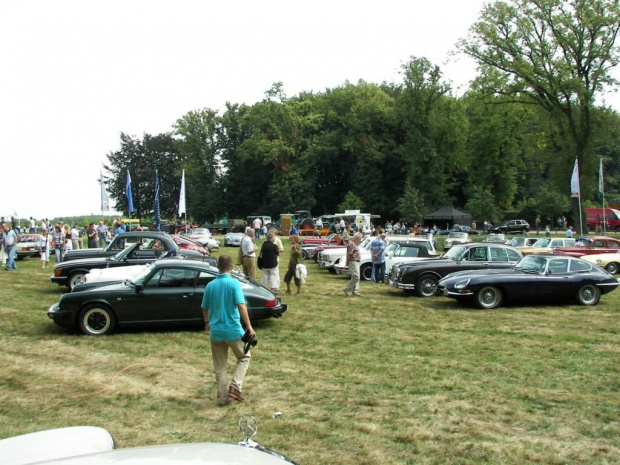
(596, 216)
(224, 225)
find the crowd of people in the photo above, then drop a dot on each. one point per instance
(56, 240)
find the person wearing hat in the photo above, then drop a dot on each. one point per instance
(353, 262)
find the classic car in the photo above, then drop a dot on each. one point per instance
(122, 241)
(165, 294)
(422, 277)
(496, 238)
(28, 245)
(589, 246)
(233, 239)
(330, 257)
(90, 445)
(187, 243)
(98, 277)
(459, 228)
(512, 226)
(545, 245)
(535, 279)
(456, 238)
(204, 237)
(400, 249)
(522, 241)
(321, 240)
(609, 261)
(72, 272)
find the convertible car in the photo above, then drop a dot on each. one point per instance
(536, 278)
(422, 277)
(165, 294)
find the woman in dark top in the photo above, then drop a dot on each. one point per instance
(269, 261)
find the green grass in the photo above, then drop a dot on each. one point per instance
(386, 378)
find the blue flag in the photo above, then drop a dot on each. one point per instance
(128, 193)
(157, 213)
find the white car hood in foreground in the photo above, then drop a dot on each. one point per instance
(118, 273)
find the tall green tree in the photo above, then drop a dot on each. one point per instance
(555, 54)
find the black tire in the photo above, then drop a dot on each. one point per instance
(366, 272)
(97, 320)
(588, 295)
(489, 297)
(75, 279)
(426, 286)
(331, 270)
(612, 268)
(304, 254)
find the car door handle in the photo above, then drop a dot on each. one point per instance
(185, 296)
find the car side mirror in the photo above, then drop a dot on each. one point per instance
(139, 288)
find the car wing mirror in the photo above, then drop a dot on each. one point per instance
(139, 288)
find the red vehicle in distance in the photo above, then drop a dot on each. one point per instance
(589, 246)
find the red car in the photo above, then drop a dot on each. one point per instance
(189, 244)
(590, 245)
(320, 240)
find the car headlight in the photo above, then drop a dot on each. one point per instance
(599, 261)
(461, 284)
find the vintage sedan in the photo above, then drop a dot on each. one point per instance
(496, 238)
(422, 277)
(321, 240)
(535, 279)
(456, 238)
(72, 272)
(546, 245)
(609, 261)
(122, 241)
(522, 241)
(28, 245)
(166, 294)
(590, 246)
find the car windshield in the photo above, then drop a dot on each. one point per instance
(28, 239)
(199, 231)
(543, 242)
(457, 235)
(455, 252)
(532, 264)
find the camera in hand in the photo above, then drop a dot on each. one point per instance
(250, 341)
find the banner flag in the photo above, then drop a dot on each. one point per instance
(157, 212)
(574, 181)
(182, 196)
(601, 188)
(105, 201)
(128, 193)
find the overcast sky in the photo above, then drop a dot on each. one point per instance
(75, 74)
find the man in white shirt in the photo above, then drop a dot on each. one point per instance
(258, 226)
(248, 250)
(9, 238)
(75, 237)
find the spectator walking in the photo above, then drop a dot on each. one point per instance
(269, 261)
(9, 238)
(91, 234)
(45, 246)
(248, 253)
(295, 260)
(353, 262)
(223, 309)
(258, 227)
(58, 242)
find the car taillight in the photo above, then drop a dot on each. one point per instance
(271, 303)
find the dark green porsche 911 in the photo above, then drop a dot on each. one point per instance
(167, 293)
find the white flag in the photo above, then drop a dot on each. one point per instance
(182, 196)
(574, 181)
(105, 201)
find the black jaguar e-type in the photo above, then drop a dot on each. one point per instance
(534, 279)
(167, 293)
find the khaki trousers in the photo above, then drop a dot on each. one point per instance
(354, 285)
(248, 267)
(219, 350)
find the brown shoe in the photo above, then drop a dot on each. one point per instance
(235, 394)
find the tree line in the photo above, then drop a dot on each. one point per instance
(402, 150)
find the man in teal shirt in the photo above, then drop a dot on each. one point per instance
(223, 308)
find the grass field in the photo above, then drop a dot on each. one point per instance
(385, 378)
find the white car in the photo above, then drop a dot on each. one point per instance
(204, 237)
(400, 249)
(329, 258)
(233, 239)
(88, 445)
(104, 276)
(456, 238)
